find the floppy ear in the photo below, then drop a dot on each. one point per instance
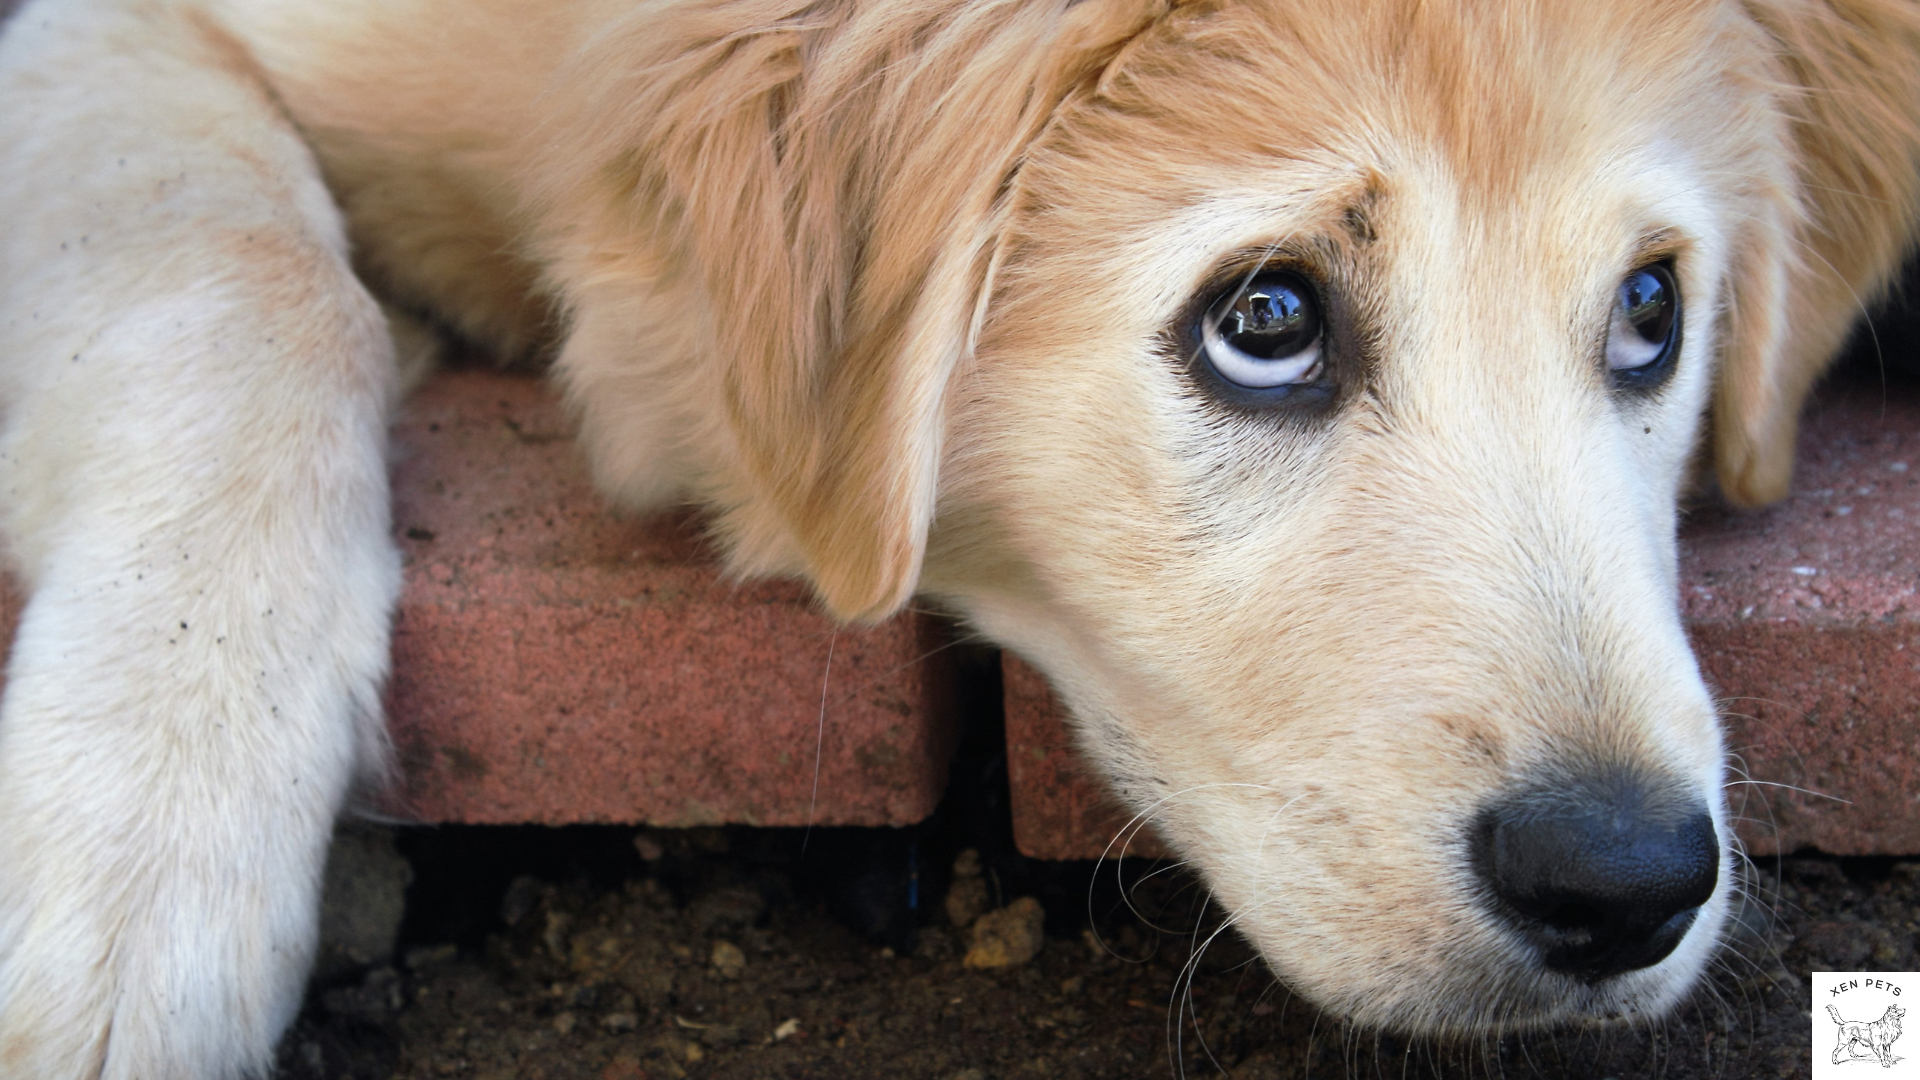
(1807, 269)
(835, 177)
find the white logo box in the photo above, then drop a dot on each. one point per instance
(1865, 1020)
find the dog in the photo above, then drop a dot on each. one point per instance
(1859, 1039)
(1307, 388)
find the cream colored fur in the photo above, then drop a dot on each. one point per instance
(888, 285)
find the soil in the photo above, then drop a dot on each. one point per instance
(619, 954)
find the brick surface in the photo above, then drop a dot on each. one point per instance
(554, 663)
(1060, 809)
(1806, 621)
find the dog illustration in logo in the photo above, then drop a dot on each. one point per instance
(1859, 1040)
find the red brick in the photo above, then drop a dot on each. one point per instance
(555, 663)
(1060, 809)
(1818, 672)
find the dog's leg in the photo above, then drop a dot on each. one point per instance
(195, 391)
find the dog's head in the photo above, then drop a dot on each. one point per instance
(1342, 374)
(1307, 388)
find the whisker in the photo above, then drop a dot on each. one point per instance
(849, 691)
(819, 742)
(1265, 257)
(1790, 787)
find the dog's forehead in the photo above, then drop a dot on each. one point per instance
(1446, 125)
(1484, 77)
(1497, 97)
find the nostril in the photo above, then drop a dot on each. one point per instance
(1599, 881)
(1572, 918)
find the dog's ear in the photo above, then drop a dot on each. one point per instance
(836, 178)
(1848, 75)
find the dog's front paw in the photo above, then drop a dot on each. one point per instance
(148, 960)
(148, 940)
(158, 896)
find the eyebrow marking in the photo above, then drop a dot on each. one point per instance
(1657, 245)
(1358, 219)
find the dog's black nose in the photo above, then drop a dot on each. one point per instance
(1599, 878)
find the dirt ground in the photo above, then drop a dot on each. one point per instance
(618, 954)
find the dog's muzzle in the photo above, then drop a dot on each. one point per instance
(1600, 874)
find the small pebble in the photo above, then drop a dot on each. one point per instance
(1008, 937)
(421, 957)
(521, 897)
(967, 863)
(733, 906)
(565, 1023)
(620, 1021)
(728, 961)
(624, 1067)
(555, 935)
(967, 896)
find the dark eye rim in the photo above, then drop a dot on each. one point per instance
(1650, 377)
(1312, 398)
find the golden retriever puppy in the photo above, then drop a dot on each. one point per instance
(1305, 386)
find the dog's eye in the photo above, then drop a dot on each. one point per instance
(1642, 335)
(1264, 334)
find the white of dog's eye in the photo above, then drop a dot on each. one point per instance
(1266, 334)
(1644, 312)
